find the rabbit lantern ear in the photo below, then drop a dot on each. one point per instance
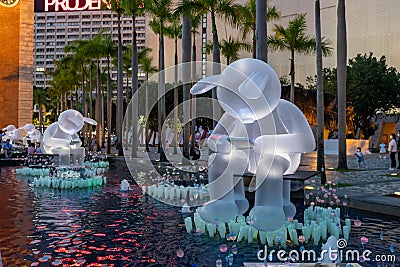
(89, 120)
(205, 85)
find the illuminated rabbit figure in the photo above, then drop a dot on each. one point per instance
(258, 133)
(62, 138)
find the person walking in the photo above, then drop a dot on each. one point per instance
(360, 158)
(392, 148)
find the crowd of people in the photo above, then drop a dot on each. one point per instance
(10, 147)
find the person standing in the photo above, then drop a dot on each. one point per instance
(398, 148)
(392, 148)
(382, 151)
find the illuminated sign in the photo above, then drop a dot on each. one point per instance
(68, 5)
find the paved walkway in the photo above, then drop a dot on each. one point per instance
(366, 188)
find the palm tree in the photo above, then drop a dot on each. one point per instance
(109, 50)
(341, 81)
(117, 7)
(230, 49)
(225, 9)
(161, 11)
(96, 50)
(40, 98)
(78, 50)
(320, 95)
(295, 39)
(186, 46)
(248, 17)
(195, 20)
(134, 8)
(174, 31)
(147, 67)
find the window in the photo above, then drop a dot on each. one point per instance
(73, 17)
(60, 30)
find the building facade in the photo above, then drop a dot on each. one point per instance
(55, 30)
(16, 52)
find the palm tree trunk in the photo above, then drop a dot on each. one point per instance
(161, 93)
(98, 107)
(70, 99)
(341, 81)
(40, 119)
(119, 91)
(320, 96)
(135, 66)
(254, 54)
(216, 67)
(261, 30)
(147, 115)
(103, 137)
(193, 114)
(186, 49)
(176, 140)
(76, 98)
(292, 77)
(65, 101)
(83, 92)
(61, 102)
(109, 101)
(90, 93)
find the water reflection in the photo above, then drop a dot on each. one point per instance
(16, 218)
(105, 227)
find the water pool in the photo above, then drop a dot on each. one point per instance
(104, 227)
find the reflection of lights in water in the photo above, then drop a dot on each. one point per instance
(309, 187)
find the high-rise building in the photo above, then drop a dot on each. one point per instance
(16, 46)
(55, 30)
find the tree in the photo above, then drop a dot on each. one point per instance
(78, 50)
(147, 67)
(161, 11)
(186, 56)
(230, 48)
(109, 50)
(341, 81)
(320, 95)
(230, 12)
(174, 31)
(117, 7)
(295, 39)
(371, 87)
(248, 21)
(96, 50)
(134, 8)
(40, 98)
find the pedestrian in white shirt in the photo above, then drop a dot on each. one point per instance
(392, 148)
